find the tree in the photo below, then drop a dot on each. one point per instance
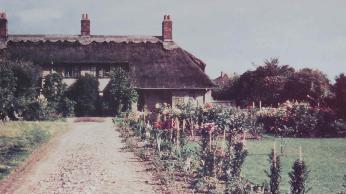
(119, 93)
(274, 174)
(22, 90)
(7, 89)
(54, 90)
(308, 85)
(226, 92)
(265, 84)
(340, 95)
(298, 177)
(86, 95)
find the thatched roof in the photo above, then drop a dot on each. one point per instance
(153, 63)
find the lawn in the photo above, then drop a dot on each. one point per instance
(326, 158)
(19, 138)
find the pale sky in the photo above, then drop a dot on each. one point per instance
(229, 35)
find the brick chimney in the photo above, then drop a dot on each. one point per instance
(85, 25)
(167, 29)
(3, 25)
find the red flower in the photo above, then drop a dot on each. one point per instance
(209, 105)
(157, 125)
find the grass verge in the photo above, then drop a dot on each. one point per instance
(18, 139)
(325, 157)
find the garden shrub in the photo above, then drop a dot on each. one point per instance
(19, 87)
(339, 127)
(299, 120)
(119, 93)
(39, 110)
(299, 177)
(7, 89)
(54, 90)
(86, 95)
(274, 172)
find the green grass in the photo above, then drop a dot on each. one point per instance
(326, 158)
(18, 139)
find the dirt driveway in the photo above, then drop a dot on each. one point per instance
(85, 159)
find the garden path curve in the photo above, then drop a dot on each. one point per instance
(86, 159)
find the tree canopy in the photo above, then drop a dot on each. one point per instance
(272, 83)
(340, 95)
(119, 93)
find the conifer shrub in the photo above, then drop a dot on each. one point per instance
(299, 177)
(274, 172)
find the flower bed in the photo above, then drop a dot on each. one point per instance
(202, 149)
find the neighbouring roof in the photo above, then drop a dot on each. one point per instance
(153, 63)
(222, 80)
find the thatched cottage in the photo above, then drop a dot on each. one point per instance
(160, 70)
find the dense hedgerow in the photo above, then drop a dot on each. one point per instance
(301, 120)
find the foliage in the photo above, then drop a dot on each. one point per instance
(55, 91)
(21, 79)
(7, 88)
(340, 96)
(300, 120)
(39, 110)
(323, 155)
(53, 88)
(274, 173)
(226, 91)
(233, 162)
(86, 95)
(265, 84)
(272, 83)
(308, 85)
(119, 91)
(298, 177)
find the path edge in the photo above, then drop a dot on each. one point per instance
(20, 171)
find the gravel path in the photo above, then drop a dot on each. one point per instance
(86, 159)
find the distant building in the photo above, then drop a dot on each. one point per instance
(160, 70)
(222, 80)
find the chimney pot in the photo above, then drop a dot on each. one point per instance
(3, 25)
(167, 29)
(85, 25)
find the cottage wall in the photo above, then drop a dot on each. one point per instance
(69, 81)
(172, 97)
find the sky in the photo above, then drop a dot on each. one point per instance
(228, 35)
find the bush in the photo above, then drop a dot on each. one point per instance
(298, 178)
(39, 110)
(86, 95)
(7, 89)
(55, 92)
(119, 93)
(19, 87)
